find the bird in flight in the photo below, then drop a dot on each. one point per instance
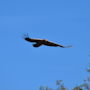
(40, 42)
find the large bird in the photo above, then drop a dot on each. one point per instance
(40, 42)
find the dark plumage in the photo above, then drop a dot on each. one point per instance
(39, 42)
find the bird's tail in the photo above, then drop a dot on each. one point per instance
(65, 46)
(68, 46)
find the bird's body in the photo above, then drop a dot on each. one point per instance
(39, 42)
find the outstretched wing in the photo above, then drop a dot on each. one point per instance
(26, 37)
(37, 44)
(48, 43)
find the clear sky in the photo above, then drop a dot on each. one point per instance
(67, 22)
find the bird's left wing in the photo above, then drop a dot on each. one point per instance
(48, 43)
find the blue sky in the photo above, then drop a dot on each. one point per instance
(66, 22)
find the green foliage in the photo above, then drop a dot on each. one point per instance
(60, 86)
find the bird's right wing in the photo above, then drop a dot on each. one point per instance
(27, 38)
(33, 40)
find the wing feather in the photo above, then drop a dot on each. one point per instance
(33, 40)
(37, 44)
(48, 43)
